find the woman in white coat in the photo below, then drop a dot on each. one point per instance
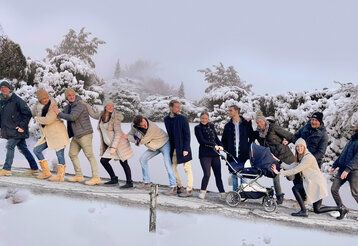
(314, 183)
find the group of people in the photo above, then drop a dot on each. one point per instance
(174, 144)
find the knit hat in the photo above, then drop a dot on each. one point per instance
(42, 94)
(6, 84)
(318, 116)
(301, 141)
(68, 91)
(107, 101)
(260, 116)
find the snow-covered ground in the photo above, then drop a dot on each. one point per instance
(51, 220)
(157, 169)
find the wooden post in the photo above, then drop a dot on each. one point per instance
(153, 208)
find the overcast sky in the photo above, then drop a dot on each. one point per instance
(277, 46)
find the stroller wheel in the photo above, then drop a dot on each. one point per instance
(269, 204)
(233, 198)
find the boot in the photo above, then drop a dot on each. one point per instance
(129, 184)
(180, 190)
(279, 198)
(145, 186)
(188, 193)
(222, 196)
(31, 173)
(302, 213)
(4, 172)
(342, 211)
(45, 170)
(171, 192)
(76, 178)
(202, 194)
(60, 176)
(113, 181)
(93, 181)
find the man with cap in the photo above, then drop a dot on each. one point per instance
(15, 116)
(79, 128)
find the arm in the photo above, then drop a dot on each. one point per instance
(252, 134)
(26, 113)
(48, 119)
(353, 164)
(201, 139)
(186, 135)
(322, 147)
(92, 111)
(75, 113)
(284, 134)
(117, 131)
(304, 164)
(224, 138)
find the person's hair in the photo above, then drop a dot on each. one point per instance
(235, 107)
(138, 119)
(172, 102)
(204, 113)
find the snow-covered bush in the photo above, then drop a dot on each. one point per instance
(126, 102)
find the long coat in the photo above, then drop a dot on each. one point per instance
(207, 138)
(314, 182)
(179, 131)
(54, 132)
(14, 112)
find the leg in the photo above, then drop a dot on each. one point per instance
(75, 149)
(235, 182)
(108, 167)
(336, 185)
(26, 152)
(127, 170)
(189, 174)
(86, 145)
(147, 155)
(297, 189)
(216, 166)
(318, 209)
(298, 181)
(278, 190)
(206, 166)
(175, 169)
(10, 151)
(353, 183)
(168, 164)
(38, 151)
(61, 156)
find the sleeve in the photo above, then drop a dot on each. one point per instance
(297, 135)
(117, 131)
(131, 135)
(353, 164)
(322, 147)
(224, 138)
(284, 134)
(75, 113)
(305, 163)
(201, 139)
(251, 132)
(25, 112)
(186, 135)
(92, 111)
(48, 119)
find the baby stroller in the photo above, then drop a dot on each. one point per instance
(261, 161)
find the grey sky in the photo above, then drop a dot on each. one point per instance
(275, 45)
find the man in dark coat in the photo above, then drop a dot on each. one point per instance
(236, 139)
(347, 165)
(15, 116)
(179, 137)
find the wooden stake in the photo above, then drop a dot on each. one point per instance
(153, 208)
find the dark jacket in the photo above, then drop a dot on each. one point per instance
(273, 140)
(246, 138)
(207, 138)
(78, 120)
(14, 112)
(316, 139)
(179, 136)
(348, 160)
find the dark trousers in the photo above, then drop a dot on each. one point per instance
(208, 163)
(298, 181)
(109, 169)
(352, 178)
(10, 152)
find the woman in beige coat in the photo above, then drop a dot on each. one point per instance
(314, 183)
(53, 135)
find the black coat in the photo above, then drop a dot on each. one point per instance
(348, 160)
(316, 140)
(246, 138)
(14, 112)
(179, 134)
(273, 140)
(207, 138)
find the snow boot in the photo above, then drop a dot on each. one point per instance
(60, 176)
(129, 184)
(93, 181)
(172, 191)
(4, 172)
(45, 170)
(202, 194)
(113, 181)
(279, 198)
(30, 173)
(76, 178)
(188, 193)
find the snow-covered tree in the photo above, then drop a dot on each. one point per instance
(126, 102)
(181, 91)
(77, 44)
(117, 70)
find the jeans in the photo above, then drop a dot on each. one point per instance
(10, 152)
(149, 154)
(352, 178)
(235, 182)
(40, 148)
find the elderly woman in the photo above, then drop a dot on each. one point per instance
(53, 135)
(314, 183)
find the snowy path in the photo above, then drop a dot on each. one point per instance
(140, 198)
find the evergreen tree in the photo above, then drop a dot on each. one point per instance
(181, 91)
(117, 71)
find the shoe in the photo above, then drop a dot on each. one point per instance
(4, 172)
(222, 196)
(129, 184)
(60, 176)
(93, 181)
(279, 198)
(45, 170)
(180, 190)
(342, 212)
(202, 194)
(113, 181)
(145, 186)
(300, 214)
(76, 178)
(188, 193)
(172, 191)
(31, 173)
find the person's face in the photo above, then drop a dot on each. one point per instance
(143, 124)
(71, 97)
(175, 108)
(204, 119)
(300, 148)
(261, 124)
(233, 112)
(109, 107)
(315, 123)
(44, 101)
(4, 90)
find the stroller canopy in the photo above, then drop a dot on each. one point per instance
(262, 158)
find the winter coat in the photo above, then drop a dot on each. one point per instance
(114, 130)
(77, 116)
(179, 135)
(314, 182)
(246, 138)
(14, 112)
(207, 138)
(153, 139)
(348, 160)
(53, 130)
(273, 140)
(316, 139)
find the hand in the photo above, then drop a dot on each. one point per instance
(331, 170)
(273, 168)
(221, 148)
(19, 129)
(284, 141)
(344, 175)
(217, 147)
(112, 151)
(185, 153)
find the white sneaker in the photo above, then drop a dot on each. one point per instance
(202, 194)
(334, 214)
